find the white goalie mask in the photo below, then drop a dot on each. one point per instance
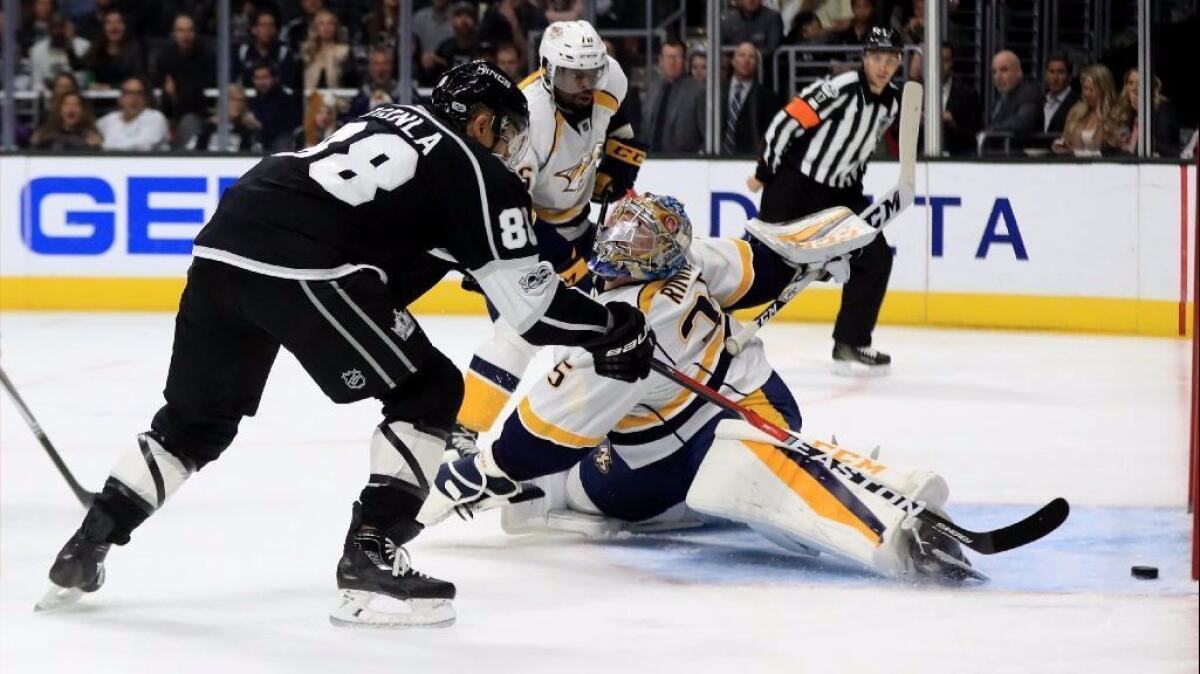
(573, 57)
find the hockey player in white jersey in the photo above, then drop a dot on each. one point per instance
(581, 150)
(610, 454)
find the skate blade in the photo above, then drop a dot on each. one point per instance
(58, 597)
(845, 368)
(354, 610)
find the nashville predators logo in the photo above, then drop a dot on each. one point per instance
(577, 175)
(602, 457)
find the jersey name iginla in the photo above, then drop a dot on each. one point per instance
(560, 163)
(649, 420)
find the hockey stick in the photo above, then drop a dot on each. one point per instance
(1028, 530)
(85, 497)
(878, 214)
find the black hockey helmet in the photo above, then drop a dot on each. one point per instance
(882, 39)
(466, 87)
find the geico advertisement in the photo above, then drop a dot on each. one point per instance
(1095, 230)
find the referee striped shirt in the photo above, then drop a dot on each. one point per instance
(829, 130)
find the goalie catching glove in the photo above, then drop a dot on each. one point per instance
(618, 169)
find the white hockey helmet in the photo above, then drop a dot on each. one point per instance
(573, 57)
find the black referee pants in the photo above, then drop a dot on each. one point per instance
(791, 195)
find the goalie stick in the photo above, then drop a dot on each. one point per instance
(85, 497)
(878, 215)
(1028, 530)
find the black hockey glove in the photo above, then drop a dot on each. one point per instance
(624, 351)
(618, 168)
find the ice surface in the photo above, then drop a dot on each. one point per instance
(236, 573)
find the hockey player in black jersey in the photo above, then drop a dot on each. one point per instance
(318, 251)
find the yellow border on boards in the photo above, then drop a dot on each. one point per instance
(973, 310)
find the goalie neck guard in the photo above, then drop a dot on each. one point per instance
(645, 237)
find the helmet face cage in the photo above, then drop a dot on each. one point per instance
(645, 237)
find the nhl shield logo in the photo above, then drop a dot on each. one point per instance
(404, 324)
(603, 458)
(354, 379)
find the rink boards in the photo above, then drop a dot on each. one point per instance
(1097, 247)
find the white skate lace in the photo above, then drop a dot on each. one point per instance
(401, 560)
(868, 351)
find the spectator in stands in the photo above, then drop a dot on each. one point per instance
(1123, 137)
(327, 61)
(114, 57)
(276, 108)
(464, 46)
(806, 28)
(63, 83)
(673, 108)
(244, 128)
(185, 67)
(379, 89)
(59, 51)
(381, 27)
(698, 67)
(1060, 95)
(134, 125)
(320, 121)
(834, 15)
(511, 21)
(295, 32)
(1089, 121)
(69, 126)
(90, 24)
(432, 27)
(265, 46)
(508, 59)
(961, 110)
(753, 23)
(749, 106)
(909, 21)
(35, 24)
(1018, 107)
(861, 23)
(562, 10)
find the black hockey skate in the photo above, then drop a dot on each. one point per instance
(860, 361)
(374, 569)
(79, 567)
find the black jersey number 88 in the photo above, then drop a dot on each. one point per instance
(380, 161)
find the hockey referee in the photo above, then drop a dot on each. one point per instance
(814, 156)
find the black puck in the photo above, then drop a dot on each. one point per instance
(1144, 572)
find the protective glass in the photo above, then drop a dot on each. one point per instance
(573, 81)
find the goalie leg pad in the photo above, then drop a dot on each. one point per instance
(808, 504)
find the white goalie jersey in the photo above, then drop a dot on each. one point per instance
(648, 420)
(560, 163)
